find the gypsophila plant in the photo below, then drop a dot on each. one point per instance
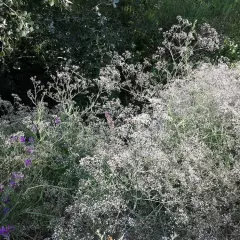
(177, 178)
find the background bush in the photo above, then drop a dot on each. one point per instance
(84, 32)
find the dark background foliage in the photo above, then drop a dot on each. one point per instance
(45, 36)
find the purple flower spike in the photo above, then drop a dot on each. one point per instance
(57, 120)
(17, 175)
(13, 139)
(12, 184)
(28, 162)
(22, 139)
(4, 231)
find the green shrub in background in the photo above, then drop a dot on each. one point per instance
(84, 32)
(132, 22)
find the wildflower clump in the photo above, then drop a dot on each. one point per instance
(38, 172)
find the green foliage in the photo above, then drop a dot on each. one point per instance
(17, 19)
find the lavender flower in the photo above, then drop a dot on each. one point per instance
(28, 162)
(4, 231)
(12, 183)
(57, 120)
(17, 175)
(13, 139)
(22, 139)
